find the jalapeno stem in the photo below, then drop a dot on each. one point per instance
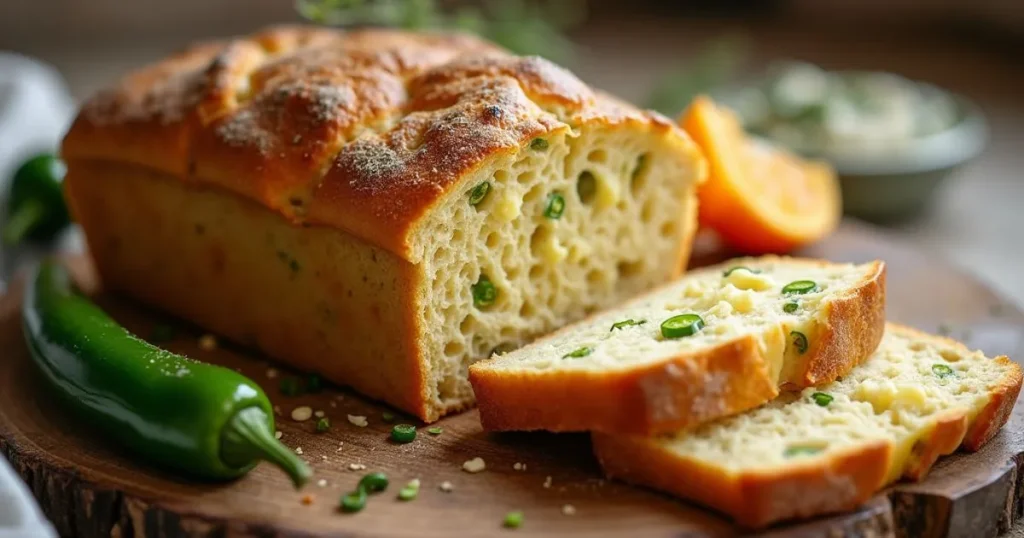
(21, 221)
(247, 437)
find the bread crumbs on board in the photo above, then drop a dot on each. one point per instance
(318, 414)
(356, 467)
(278, 434)
(519, 466)
(474, 465)
(271, 373)
(207, 342)
(302, 413)
(298, 450)
(547, 481)
(322, 482)
(358, 420)
(568, 510)
(446, 486)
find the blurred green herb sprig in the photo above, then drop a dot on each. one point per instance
(524, 27)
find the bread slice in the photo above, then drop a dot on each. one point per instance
(618, 373)
(380, 207)
(829, 448)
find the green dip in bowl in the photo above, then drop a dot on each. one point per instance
(891, 140)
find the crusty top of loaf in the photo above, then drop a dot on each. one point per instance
(362, 131)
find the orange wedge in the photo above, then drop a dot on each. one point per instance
(759, 198)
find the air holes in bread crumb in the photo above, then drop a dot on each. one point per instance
(453, 349)
(492, 240)
(949, 355)
(638, 177)
(537, 239)
(668, 229)
(586, 187)
(647, 210)
(527, 310)
(598, 156)
(630, 269)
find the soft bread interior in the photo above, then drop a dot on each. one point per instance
(748, 301)
(898, 396)
(629, 213)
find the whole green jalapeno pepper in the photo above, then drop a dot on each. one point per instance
(36, 208)
(207, 421)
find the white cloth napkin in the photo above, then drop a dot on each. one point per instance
(35, 110)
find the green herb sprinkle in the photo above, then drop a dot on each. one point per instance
(800, 287)
(799, 341)
(794, 451)
(513, 520)
(942, 371)
(354, 502)
(822, 399)
(682, 325)
(374, 482)
(484, 292)
(403, 433)
(479, 192)
(578, 353)
(626, 323)
(555, 207)
(410, 491)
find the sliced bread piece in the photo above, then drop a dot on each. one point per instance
(763, 323)
(828, 449)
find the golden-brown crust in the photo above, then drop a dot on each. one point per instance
(851, 333)
(822, 485)
(362, 131)
(660, 397)
(681, 391)
(997, 411)
(944, 438)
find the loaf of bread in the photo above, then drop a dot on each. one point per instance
(380, 207)
(830, 448)
(719, 341)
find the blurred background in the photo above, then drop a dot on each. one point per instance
(954, 186)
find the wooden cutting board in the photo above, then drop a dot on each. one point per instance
(89, 487)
